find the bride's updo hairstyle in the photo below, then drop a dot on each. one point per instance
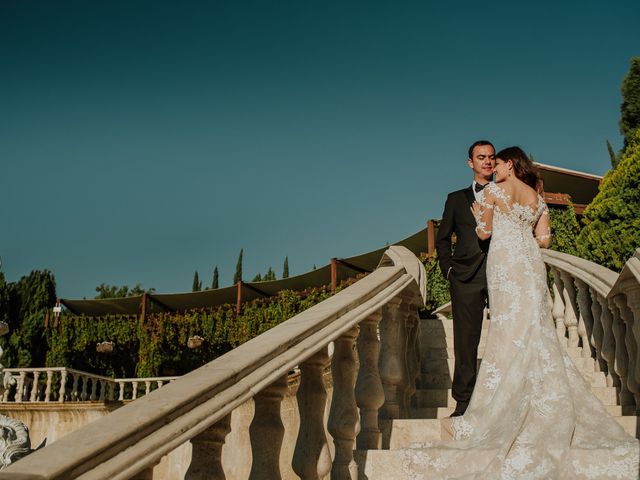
(523, 167)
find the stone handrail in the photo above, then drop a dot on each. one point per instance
(373, 325)
(62, 384)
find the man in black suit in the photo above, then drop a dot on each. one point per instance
(465, 270)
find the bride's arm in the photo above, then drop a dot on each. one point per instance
(483, 212)
(542, 230)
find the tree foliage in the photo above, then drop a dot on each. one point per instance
(437, 286)
(630, 107)
(285, 268)
(196, 286)
(612, 220)
(113, 291)
(215, 281)
(237, 277)
(564, 229)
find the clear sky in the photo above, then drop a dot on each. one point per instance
(143, 140)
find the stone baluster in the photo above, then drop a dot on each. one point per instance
(206, 452)
(74, 389)
(369, 391)
(311, 458)
(413, 351)
(621, 363)
(147, 387)
(160, 383)
(62, 394)
(558, 306)
(20, 387)
(47, 388)
(585, 320)
(85, 384)
(392, 359)
(608, 340)
(632, 292)
(570, 314)
(35, 387)
(112, 391)
(103, 390)
(121, 391)
(94, 390)
(343, 417)
(598, 334)
(134, 394)
(267, 431)
(631, 346)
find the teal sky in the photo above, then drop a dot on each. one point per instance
(143, 140)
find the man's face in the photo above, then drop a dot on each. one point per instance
(483, 161)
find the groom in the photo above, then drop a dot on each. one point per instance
(465, 270)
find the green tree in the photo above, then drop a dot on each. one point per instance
(214, 282)
(630, 107)
(196, 286)
(270, 275)
(113, 291)
(612, 155)
(285, 268)
(612, 220)
(257, 278)
(237, 277)
(564, 229)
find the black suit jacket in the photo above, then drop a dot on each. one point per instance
(467, 260)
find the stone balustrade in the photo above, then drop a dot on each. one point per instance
(598, 311)
(372, 328)
(61, 384)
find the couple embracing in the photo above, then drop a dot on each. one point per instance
(527, 412)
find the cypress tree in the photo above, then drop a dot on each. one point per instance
(612, 155)
(214, 282)
(270, 275)
(285, 269)
(237, 277)
(257, 278)
(197, 284)
(612, 220)
(630, 107)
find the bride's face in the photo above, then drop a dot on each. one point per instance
(502, 170)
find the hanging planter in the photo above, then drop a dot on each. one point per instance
(195, 341)
(105, 347)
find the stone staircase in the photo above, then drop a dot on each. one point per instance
(433, 399)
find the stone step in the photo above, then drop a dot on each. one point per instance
(406, 432)
(440, 397)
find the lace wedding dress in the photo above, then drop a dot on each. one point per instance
(532, 415)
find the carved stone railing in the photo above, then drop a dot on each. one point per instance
(598, 311)
(61, 384)
(373, 326)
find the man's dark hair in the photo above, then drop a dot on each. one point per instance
(480, 143)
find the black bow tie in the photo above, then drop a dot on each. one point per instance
(479, 187)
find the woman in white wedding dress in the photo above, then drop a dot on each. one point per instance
(532, 415)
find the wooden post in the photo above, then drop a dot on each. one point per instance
(431, 238)
(143, 308)
(239, 297)
(334, 274)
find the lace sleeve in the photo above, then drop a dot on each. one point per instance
(542, 229)
(484, 216)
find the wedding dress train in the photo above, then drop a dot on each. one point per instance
(532, 415)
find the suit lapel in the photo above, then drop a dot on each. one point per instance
(468, 192)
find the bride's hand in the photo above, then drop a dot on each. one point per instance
(476, 210)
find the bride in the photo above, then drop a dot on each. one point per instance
(532, 415)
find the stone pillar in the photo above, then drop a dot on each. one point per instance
(633, 301)
(392, 359)
(369, 391)
(343, 417)
(34, 387)
(570, 314)
(558, 306)
(598, 334)
(608, 340)
(311, 458)
(413, 351)
(585, 320)
(267, 431)
(206, 453)
(631, 347)
(621, 355)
